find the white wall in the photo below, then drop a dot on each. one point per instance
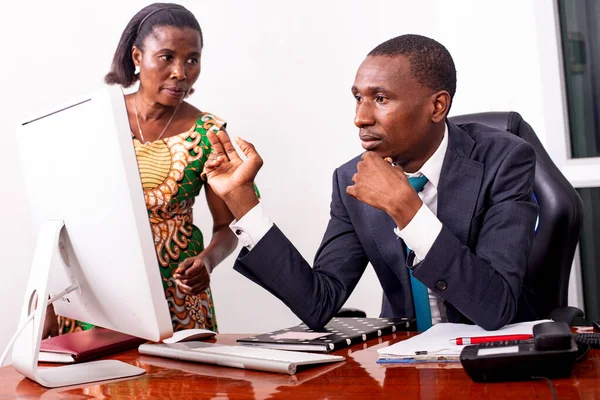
(280, 73)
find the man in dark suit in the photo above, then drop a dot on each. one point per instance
(444, 213)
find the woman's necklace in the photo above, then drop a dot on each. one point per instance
(138, 121)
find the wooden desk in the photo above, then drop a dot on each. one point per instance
(359, 377)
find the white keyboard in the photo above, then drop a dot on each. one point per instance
(268, 354)
(280, 361)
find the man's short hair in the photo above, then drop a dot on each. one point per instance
(430, 63)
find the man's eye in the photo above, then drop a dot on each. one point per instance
(193, 61)
(166, 57)
(358, 98)
(380, 99)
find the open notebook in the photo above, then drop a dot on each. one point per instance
(279, 361)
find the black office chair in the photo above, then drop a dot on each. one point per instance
(560, 217)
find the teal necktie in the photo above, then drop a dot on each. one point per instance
(419, 291)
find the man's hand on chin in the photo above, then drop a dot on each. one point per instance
(385, 187)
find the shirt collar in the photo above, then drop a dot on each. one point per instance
(432, 168)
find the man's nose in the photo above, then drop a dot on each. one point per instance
(364, 115)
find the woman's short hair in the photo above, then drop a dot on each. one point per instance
(141, 25)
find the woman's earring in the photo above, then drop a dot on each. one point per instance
(137, 70)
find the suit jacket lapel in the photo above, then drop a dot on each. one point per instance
(460, 184)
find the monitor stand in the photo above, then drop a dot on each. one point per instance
(26, 349)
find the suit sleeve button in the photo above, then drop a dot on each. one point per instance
(441, 285)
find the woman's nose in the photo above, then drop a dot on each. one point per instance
(178, 71)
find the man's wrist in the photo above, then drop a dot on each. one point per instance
(421, 233)
(252, 227)
(402, 214)
(241, 200)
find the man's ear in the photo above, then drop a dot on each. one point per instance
(136, 55)
(441, 105)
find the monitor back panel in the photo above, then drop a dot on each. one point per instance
(79, 165)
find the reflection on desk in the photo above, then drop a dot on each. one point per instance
(267, 379)
(357, 378)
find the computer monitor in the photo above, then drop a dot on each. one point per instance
(94, 237)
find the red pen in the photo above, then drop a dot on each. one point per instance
(488, 339)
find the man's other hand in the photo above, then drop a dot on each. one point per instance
(230, 177)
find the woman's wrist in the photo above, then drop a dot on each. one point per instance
(221, 246)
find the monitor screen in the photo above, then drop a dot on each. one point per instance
(79, 166)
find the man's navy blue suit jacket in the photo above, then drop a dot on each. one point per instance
(477, 263)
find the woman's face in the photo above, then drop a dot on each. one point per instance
(169, 63)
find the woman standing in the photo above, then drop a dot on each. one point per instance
(161, 48)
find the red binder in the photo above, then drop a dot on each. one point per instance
(85, 345)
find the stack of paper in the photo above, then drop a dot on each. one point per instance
(434, 345)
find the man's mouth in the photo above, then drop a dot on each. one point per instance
(369, 141)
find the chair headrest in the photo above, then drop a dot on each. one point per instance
(503, 120)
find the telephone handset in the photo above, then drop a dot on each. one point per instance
(551, 353)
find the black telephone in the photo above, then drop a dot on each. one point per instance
(551, 353)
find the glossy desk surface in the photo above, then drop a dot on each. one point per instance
(359, 377)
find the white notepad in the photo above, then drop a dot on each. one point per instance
(436, 340)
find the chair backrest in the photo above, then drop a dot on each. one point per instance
(560, 217)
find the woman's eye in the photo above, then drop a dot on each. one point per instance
(193, 61)
(166, 57)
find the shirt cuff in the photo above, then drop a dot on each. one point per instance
(252, 226)
(421, 232)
